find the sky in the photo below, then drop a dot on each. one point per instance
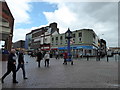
(102, 17)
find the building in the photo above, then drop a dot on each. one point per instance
(6, 25)
(40, 37)
(19, 44)
(115, 50)
(83, 42)
(28, 41)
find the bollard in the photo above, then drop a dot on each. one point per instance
(87, 58)
(107, 58)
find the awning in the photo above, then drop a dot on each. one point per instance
(77, 47)
(84, 47)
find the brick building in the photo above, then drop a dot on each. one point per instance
(6, 25)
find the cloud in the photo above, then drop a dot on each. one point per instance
(102, 17)
(20, 10)
(19, 34)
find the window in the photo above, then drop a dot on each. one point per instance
(93, 35)
(56, 43)
(66, 41)
(80, 34)
(73, 41)
(6, 12)
(73, 35)
(52, 39)
(80, 39)
(61, 37)
(56, 38)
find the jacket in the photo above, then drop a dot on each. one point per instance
(47, 56)
(20, 58)
(39, 56)
(11, 59)
(65, 55)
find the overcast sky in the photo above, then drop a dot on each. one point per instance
(102, 17)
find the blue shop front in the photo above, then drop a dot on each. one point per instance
(78, 51)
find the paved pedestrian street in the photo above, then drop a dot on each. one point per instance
(83, 74)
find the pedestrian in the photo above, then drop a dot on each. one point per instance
(47, 58)
(11, 66)
(65, 55)
(98, 55)
(39, 57)
(21, 63)
(57, 55)
(88, 56)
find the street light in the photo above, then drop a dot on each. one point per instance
(68, 35)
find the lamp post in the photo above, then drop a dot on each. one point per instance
(68, 35)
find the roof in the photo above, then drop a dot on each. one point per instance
(5, 3)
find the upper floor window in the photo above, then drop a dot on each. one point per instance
(45, 39)
(66, 41)
(73, 35)
(73, 41)
(61, 37)
(52, 39)
(56, 38)
(80, 34)
(93, 35)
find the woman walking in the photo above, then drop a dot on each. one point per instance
(47, 58)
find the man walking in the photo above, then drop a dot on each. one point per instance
(39, 57)
(21, 63)
(11, 66)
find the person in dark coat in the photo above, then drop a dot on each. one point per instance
(21, 63)
(11, 66)
(39, 57)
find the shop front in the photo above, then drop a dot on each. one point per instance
(79, 51)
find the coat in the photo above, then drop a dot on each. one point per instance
(20, 58)
(65, 55)
(11, 60)
(39, 56)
